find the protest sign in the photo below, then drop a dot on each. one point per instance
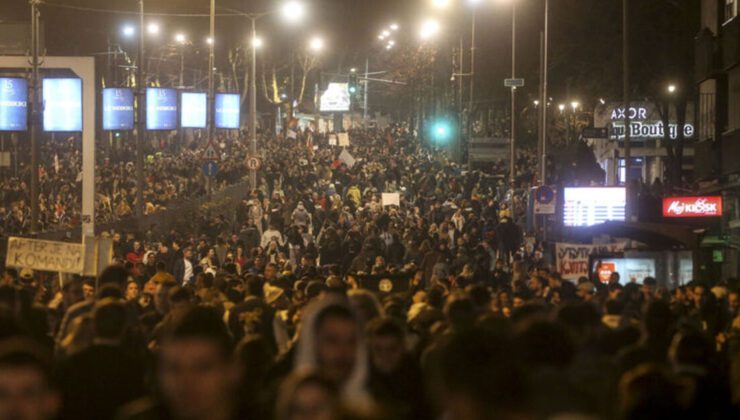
(60, 257)
(572, 259)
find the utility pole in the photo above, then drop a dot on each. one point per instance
(35, 113)
(512, 163)
(140, 126)
(366, 82)
(211, 96)
(253, 106)
(472, 77)
(543, 100)
(626, 92)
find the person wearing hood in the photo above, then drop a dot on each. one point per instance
(301, 217)
(331, 342)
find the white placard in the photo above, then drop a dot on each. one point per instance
(343, 139)
(346, 158)
(59, 257)
(391, 199)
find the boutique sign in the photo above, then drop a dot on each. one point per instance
(704, 206)
(645, 121)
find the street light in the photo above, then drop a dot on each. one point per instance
(561, 107)
(128, 31)
(257, 42)
(316, 44)
(575, 105)
(180, 38)
(209, 41)
(153, 28)
(671, 88)
(386, 33)
(394, 26)
(293, 11)
(429, 28)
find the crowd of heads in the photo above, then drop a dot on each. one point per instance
(171, 174)
(317, 299)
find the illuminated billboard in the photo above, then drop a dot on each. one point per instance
(161, 109)
(62, 104)
(591, 206)
(118, 109)
(645, 121)
(194, 108)
(336, 98)
(13, 104)
(706, 206)
(228, 109)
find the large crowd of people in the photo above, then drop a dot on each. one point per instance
(170, 174)
(322, 297)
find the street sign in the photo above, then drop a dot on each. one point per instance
(210, 168)
(514, 82)
(210, 152)
(544, 200)
(595, 133)
(253, 163)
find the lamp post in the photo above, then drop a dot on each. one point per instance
(140, 115)
(512, 163)
(292, 11)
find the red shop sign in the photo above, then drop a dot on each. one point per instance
(692, 206)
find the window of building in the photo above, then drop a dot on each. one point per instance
(635, 170)
(731, 9)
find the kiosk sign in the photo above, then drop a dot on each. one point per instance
(704, 206)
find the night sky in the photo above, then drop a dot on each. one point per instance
(585, 36)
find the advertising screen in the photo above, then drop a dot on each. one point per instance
(13, 104)
(118, 109)
(228, 109)
(591, 206)
(62, 104)
(194, 110)
(336, 98)
(707, 206)
(161, 109)
(631, 270)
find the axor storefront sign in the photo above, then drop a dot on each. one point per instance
(705, 206)
(645, 121)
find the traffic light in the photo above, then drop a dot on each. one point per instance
(442, 131)
(354, 88)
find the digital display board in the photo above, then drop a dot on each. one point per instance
(161, 109)
(592, 206)
(631, 270)
(13, 104)
(336, 98)
(118, 109)
(228, 110)
(707, 206)
(193, 110)
(62, 104)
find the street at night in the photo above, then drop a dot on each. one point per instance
(346, 209)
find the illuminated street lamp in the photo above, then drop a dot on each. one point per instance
(180, 38)
(575, 105)
(257, 42)
(316, 44)
(671, 88)
(128, 31)
(561, 107)
(394, 26)
(293, 11)
(153, 28)
(209, 41)
(429, 28)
